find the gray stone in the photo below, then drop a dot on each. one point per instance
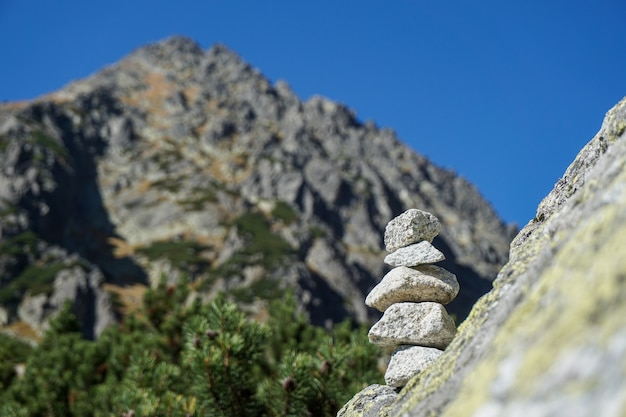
(416, 254)
(422, 283)
(32, 310)
(408, 361)
(80, 285)
(369, 402)
(421, 324)
(76, 285)
(412, 226)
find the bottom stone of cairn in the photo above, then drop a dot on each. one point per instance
(407, 361)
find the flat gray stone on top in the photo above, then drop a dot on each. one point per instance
(418, 284)
(421, 324)
(408, 361)
(416, 254)
(410, 227)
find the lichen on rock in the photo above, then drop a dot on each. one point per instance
(369, 402)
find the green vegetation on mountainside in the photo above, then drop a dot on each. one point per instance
(173, 359)
(37, 276)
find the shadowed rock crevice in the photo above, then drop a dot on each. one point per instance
(325, 302)
(77, 219)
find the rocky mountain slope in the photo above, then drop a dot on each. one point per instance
(550, 338)
(181, 161)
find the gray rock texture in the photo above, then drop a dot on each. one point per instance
(550, 338)
(179, 160)
(416, 254)
(408, 361)
(410, 227)
(418, 284)
(369, 402)
(422, 324)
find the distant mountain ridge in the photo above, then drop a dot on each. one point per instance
(179, 161)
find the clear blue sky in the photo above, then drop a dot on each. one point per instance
(505, 93)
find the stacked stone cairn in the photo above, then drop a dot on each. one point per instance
(415, 324)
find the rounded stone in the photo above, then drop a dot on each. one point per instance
(419, 284)
(408, 361)
(416, 254)
(420, 324)
(410, 227)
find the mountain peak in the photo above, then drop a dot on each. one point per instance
(174, 52)
(180, 161)
(174, 45)
(220, 49)
(179, 47)
(183, 61)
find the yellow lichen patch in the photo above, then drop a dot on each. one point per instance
(363, 403)
(614, 121)
(620, 128)
(121, 248)
(433, 378)
(577, 296)
(129, 298)
(478, 314)
(522, 256)
(592, 292)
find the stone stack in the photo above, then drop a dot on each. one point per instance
(415, 323)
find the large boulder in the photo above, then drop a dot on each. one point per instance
(550, 338)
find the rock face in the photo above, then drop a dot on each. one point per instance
(180, 160)
(550, 338)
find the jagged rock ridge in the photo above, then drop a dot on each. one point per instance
(180, 160)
